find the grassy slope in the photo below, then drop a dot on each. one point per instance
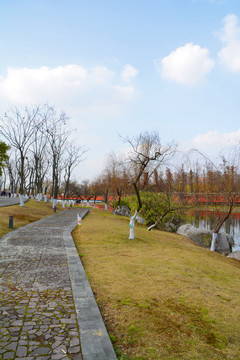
(31, 211)
(161, 296)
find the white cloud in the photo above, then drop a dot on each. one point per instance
(125, 92)
(188, 64)
(68, 86)
(128, 73)
(101, 75)
(213, 141)
(229, 55)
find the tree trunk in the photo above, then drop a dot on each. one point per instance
(54, 203)
(219, 225)
(21, 200)
(22, 181)
(214, 239)
(119, 201)
(132, 226)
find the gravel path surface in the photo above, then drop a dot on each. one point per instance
(43, 300)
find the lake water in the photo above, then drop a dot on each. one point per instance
(203, 219)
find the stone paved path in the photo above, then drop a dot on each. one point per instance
(6, 201)
(38, 317)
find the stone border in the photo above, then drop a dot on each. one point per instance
(95, 342)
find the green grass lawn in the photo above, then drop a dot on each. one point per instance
(23, 215)
(161, 296)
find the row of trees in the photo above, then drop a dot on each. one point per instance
(40, 149)
(146, 169)
(117, 180)
(41, 154)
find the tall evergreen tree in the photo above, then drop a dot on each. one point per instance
(3, 155)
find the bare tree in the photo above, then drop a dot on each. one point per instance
(57, 135)
(87, 191)
(73, 157)
(95, 190)
(118, 176)
(17, 128)
(39, 152)
(146, 155)
(220, 181)
(104, 184)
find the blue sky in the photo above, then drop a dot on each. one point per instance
(121, 67)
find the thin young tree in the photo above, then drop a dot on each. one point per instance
(118, 176)
(222, 182)
(74, 155)
(39, 153)
(57, 134)
(104, 181)
(147, 153)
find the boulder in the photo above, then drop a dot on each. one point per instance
(224, 243)
(200, 236)
(235, 255)
(170, 226)
(203, 238)
(123, 211)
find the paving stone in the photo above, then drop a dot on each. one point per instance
(41, 351)
(21, 351)
(61, 349)
(77, 357)
(74, 350)
(23, 342)
(56, 344)
(74, 341)
(12, 346)
(3, 343)
(9, 355)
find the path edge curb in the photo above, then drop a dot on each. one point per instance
(94, 338)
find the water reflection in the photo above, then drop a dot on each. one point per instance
(204, 219)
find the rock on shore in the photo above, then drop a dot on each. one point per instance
(203, 238)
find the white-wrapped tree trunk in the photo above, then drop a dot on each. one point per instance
(21, 200)
(214, 239)
(54, 203)
(105, 206)
(38, 197)
(132, 226)
(63, 203)
(45, 198)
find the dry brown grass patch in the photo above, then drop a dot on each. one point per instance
(161, 296)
